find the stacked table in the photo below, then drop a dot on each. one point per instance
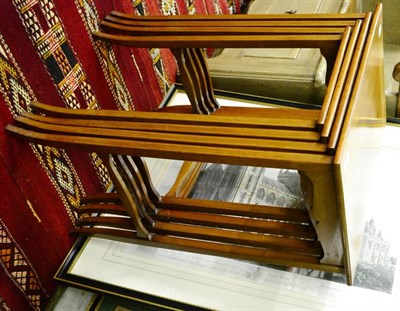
(317, 143)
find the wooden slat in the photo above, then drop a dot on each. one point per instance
(189, 119)
(242, 17)
(265, 21)
(101, 198)
(232, 111)
(214, 248)
(220, 233)
(112, 26)
(251, 253)
(261, 41)
(289, 160)
(282, 134)
(353, 73)
(215, 140)
(212, 224)
(340, 84)
(110, 221)
(238, 209)
(333, 79)
(207, 234)
(238, 238)
(262, 225)
(117, 209)
(254, 112)
(331, 131)
(270, 224)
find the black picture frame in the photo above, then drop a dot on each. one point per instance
(140, 300)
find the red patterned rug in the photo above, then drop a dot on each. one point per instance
(47, 53)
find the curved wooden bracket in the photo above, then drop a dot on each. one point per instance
(196, 79)
(129, 193)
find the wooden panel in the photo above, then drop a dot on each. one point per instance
(357, 150)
